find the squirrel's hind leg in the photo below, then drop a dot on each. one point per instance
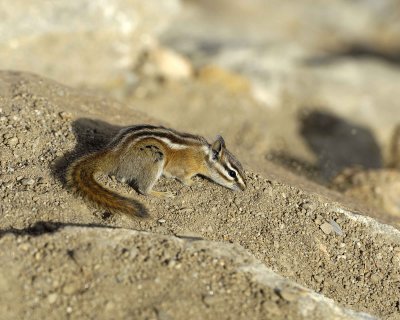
(142, 168)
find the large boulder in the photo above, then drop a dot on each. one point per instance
(88, 43)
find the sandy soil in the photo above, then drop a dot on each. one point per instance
(292, 226)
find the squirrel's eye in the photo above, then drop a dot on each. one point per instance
(232, 173)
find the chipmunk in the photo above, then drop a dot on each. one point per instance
(140, 154)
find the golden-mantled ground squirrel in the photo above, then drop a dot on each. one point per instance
(140, 154)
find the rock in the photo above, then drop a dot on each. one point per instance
(12, 142)
(308, 58)
(232, 81)
(170, 65)
(379, 188)
(248, 278)
(52, 298)
(65, 115)
(27, 181)
(284, 237)
(326, 228)
(97, 42)
(336, 228)
(70, 288)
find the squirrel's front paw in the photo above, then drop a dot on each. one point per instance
(162, 194)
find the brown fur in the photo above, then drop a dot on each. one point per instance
(81, 178)
(139, 155)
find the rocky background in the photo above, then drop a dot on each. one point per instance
(305, 93)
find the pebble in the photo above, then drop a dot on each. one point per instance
(52, 297)
(172, 65)
(70, 289)
(326, 228)
(24, 247)
(27, 181)
(375, 278)
(65, 115)
(309, 206)
(318, 220)
(336, 228)
(288, 294)
(161, 220)
(12, 142)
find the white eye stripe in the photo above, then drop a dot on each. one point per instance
(222, 171)
(231, 168)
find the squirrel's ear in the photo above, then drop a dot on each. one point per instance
(217, 147)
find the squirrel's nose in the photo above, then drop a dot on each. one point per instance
(242, 186)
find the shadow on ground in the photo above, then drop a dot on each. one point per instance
(91, 135)
(43, 227)
(356, 51)
(337, 144)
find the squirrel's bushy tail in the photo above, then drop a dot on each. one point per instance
(81, 178)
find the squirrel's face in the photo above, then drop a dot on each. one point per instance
(225, 169)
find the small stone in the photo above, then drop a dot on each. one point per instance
(12, 142)
(289, 294)
(336, 228)
(70, 289)
(38, 256)
(24, 247)
(326, 228)
(375, 278)
(309, 206)
(171, 263)
(52, 297)
(161, 220)
(171, 65)
(65, 115)
(318, 220)
(27, 182)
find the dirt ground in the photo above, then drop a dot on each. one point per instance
(294, 227)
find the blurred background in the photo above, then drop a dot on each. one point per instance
(310, 85)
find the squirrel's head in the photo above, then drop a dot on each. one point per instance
(224, 168)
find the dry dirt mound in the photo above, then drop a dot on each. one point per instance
(103, 273)
(314, 241)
